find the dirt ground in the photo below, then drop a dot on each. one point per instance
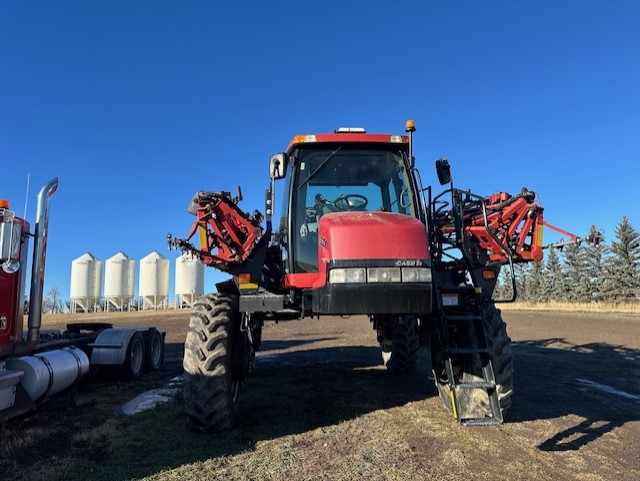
(321, 406)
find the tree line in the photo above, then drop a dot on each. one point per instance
(585, 272)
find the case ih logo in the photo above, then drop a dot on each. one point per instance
(407, 263)
(323, 242)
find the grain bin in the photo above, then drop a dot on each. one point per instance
(154, 281)
(189, 280)
(86, 283)
(119, 278)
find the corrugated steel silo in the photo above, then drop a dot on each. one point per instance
(86, 283)
(189, 280)
(154, 281)
(119, 279)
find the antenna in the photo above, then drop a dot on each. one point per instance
(26, 197)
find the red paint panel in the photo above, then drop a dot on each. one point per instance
(371, 235)
(363, 235)
(351, 138)
(303, 280)
(11, 297)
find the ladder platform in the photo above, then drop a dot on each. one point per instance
(489, 421)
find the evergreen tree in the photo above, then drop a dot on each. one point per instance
(554, 287)
(504, 289)
(536, 282)
(576, 274)
(623, 266)
(595, 255)
(522, 273)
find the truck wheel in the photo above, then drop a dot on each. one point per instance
(475, 401)
(400, 352)
(154, 350)
(134, 361)
(210, 390)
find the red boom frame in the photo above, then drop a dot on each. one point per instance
(227, 235)
(516, 224)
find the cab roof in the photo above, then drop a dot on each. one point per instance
(346, 137)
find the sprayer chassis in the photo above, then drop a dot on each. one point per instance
(360, 235)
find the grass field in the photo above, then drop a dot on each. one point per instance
(621, 307)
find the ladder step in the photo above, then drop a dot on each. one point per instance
(468, 350)
(475, 385)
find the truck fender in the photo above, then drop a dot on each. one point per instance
(110, 347)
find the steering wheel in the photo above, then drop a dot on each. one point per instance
(351, 202)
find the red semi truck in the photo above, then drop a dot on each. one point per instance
(35, 364)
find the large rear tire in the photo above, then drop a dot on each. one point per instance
(400, 349)
(475, 402)
(210, 390)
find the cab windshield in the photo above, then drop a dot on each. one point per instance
(344, 179)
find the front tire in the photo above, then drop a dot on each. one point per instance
(210, 390)
(400, 346)
(475, 402)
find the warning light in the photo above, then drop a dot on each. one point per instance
(410, 126)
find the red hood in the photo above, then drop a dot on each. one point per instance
(371, 235)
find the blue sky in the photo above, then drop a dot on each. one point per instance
(137, 105)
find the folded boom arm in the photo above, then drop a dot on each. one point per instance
(500, 227)
(227, 235)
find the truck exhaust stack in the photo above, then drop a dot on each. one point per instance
(41, 232)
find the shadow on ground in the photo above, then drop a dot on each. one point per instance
(295, 392)
(299, 391)
(596, 382)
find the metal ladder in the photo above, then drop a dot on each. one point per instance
(460, 306)
(474, 344)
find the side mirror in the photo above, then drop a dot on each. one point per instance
(443, 170)
(278, 166)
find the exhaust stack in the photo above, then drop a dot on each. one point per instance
(41, 232)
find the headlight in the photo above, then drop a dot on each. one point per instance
(416, 274)
(347, 275)
(383, 274)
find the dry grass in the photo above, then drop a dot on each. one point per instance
(620, 307)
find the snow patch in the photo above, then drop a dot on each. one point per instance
(149, 400)
(268, 357)
(609, 389)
